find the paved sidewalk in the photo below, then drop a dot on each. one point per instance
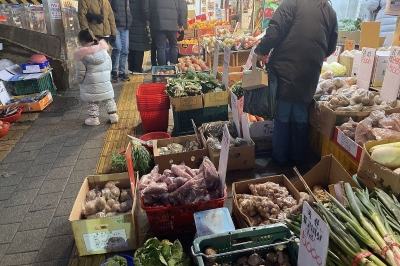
(40, 178)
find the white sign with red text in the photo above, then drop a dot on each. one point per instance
(335, 56)
(366, 66)
(314, 239)
(391, 80)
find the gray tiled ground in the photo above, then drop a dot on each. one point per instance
(39, 181)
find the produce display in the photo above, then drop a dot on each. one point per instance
(179, 148)
(109, 201)
(348, 24)
(9, 111)
(140, 157)
(159, 253)
(164, 71)
(213, 133)
(275, 257)
(237, 89)
(116, 261)
(192, 83)
(180, 186)
(320, 193)
(188, 41)
(333, 69)
(268, 203)
(377, 126)
(193, 63)
(249, 41)
(367, 224)
(207, 24)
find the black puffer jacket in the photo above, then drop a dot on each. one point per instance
(122, 13)
(166, 15)
(139, 32)
(302, 33)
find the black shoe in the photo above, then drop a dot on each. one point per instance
(114, 77)
(124, 77)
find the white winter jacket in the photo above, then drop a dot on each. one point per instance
(388, 23)
(93, 70)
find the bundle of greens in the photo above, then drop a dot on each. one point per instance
(348, 24)
(191, 84)
(237, 89)
(140, 157)
(160, 253)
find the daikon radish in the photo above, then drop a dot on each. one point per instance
(387, 156)
(393, 144)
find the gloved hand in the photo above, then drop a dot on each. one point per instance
(113, 38)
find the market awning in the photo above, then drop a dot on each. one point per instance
(26, 2)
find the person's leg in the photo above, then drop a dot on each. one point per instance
(173, 46)
(131, 60)
(298, 132)
(123, 57)
(115, 55)
(281, 136)
(93, 110)
(153, 52)
(160, 43)
(139, 61)
(111, 108)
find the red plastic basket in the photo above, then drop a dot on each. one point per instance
(155, 120)
(154, 135)
(152, 97)
(172, 220)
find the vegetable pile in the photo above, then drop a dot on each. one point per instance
(268, 202)
(178, 148)
(109, 201)
(164, 71)
(348, 24)
(180, 186)
(161, 253)
(116, 261)
(193, 63)
(140, 157)
(367, 224)
(213, 133)
(192, 83)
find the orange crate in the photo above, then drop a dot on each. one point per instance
(329, 147)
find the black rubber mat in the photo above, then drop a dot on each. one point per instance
(61, 104)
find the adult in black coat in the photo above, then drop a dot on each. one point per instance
(300, 35)
(139, 35)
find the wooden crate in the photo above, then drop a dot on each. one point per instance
(210, 60)
(241, 57)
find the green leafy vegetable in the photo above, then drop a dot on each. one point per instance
(162, 253)
(140, 157)
(348, 24)
(116, 261)
(237, 89)
(118, 162)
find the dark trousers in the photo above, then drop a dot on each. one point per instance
(153, 52)
(135, 61)
(160, 37)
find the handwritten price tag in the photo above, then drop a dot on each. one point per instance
(314, 239)
(366, 65)
(235, 112)
(349, 45)
(335, 56)
(223, 158)
(391, 80)
(347, 143)
(215, 62)
(227, 59)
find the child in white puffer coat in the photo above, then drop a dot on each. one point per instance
(93, 70)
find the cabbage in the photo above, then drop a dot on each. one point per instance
(325, 67)
(338, 69)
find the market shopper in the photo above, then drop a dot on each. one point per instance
(97, 16)
(300, 35)
(166, 18)
(139, 36)
(93, 69)
(119, 54)
(388, 23)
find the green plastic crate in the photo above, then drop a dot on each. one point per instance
(183, 119)
(248, 238)
(45, 82)
(163, 78)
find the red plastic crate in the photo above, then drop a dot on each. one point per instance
(152, 97)
(172, 220)
(155, 120)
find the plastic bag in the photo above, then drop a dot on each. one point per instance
(376, 116)
(364, 132)
(385, 133)
(325, 68)
(391, 122)
(262, 102)
(349, 128)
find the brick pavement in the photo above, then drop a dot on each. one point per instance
(39, 180)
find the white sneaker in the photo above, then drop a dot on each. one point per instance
(92, 121)
(113, 118)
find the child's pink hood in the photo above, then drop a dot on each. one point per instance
(84, 51)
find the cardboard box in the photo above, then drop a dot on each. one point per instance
(327, 172)
(262, 144)
(190, 34)
(31, 107)
(348, 62)
(256, 80)
(108, 234)
(379, 69)
(235, 74)
(216, 98)
(261, 128)
(369, 36)
(243, 188)
(349, 35)
(372, 174)
(347, 145)
(187, 103)
(193, 159)
(240, 158)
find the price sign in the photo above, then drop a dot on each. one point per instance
(223, 159)
(314, 239)
(235, 112)
(4, 97)
(215, 62)
(335, 56)
(227, 59)
(391, 80)
(249, 61)
(246, 129)
(365, 69)
(349, 45)
(347, 143)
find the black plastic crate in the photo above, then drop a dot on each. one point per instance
(45, 82)
(182, 120)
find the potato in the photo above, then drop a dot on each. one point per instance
(116, 207)
(91, 195)
(111, 202)
(110, 185)
(125, 195)
(106, 193)
(89, 208)
(107, 209)
(115, 192)
(100, 203)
